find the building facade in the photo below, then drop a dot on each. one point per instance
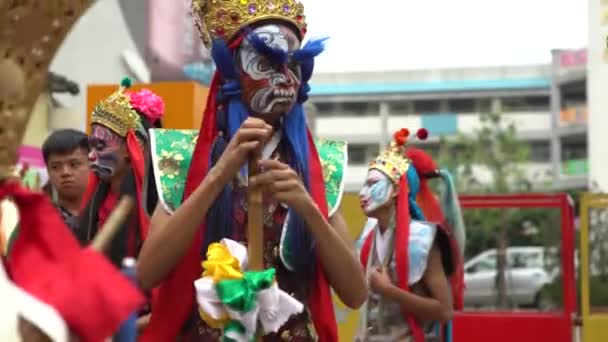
(546, 102)
(365, 108)
(569, 117)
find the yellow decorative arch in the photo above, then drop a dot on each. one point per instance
(32, 32)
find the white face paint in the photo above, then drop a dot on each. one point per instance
(377, 191)
(269, 88)
(275, 37)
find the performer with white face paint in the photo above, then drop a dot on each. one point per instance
(118, 142)
(377, 191)
(255, 104)
(412, 251)
(271, 90)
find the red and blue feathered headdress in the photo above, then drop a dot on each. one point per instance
(223, 116)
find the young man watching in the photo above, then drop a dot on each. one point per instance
(65, 154)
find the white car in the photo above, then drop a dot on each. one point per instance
(526, 274)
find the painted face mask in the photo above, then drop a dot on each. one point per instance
(376, 192)
(269, 88)
(104, 157)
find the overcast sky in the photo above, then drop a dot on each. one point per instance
(417, 34)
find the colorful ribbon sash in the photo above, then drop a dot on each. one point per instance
(235, 300)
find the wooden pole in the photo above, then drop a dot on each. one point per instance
(255, 229)
(117, 217)
(255, 224)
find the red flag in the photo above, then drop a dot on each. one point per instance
(91, 295)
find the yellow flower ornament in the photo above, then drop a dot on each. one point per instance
(235, 300)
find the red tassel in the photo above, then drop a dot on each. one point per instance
(423, 162)
(320, 300)
(431, 208)
(366, 248)
(402, 238)
(428, 203)
(137, 164)
(174, 298)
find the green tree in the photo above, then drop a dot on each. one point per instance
(493, 150)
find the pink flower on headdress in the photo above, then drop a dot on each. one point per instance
(148, 104)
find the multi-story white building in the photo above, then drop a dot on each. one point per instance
(365, 108)
(569, 115)
(547, 102)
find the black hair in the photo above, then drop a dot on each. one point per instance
(88, 226)
(447, 253)
(64, 141)
(149, 195)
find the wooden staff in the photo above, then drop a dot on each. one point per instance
(110, 227)
(255, 228)
(255, 223)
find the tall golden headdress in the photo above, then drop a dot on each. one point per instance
(31, 33)
(117, 113)
(225, 18)
(393, 161)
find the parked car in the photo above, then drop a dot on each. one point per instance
(526, 273)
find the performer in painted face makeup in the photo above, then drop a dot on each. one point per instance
(413, 253)
(118, 143)
(255, 105)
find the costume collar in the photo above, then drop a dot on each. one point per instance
(383, 242)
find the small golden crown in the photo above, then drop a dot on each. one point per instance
(117, 113)
(393, 161)
(225, 18)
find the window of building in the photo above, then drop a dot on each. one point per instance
(461, 105)
(400, 107)
(540, 103)
(576, 92)
(525, 104)
(427, 106)
(484, 106)
(327, 108)
(361, 108)
(362, 153)
(574, 150)
(356, 154)
(540, 151)
(372, 150)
